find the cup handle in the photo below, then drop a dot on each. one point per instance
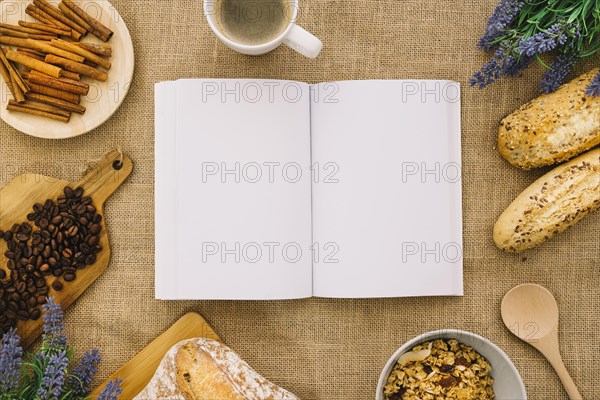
(303, 42)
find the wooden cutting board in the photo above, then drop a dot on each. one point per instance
(20, 194)
(138, 372)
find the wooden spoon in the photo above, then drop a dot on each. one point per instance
(530, 312)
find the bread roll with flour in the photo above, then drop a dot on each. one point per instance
(551, 204)
(204, 369)
(553, 128)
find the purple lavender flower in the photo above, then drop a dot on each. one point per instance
(112, 390)
(54, 376)
(504, 63)
(82, 375)
(502, 16)
(543, 42)
(593, 89)
(559, 69)
(53, 326)
(11, 357)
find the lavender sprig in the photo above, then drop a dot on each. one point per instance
(593, 89)
(54, 377)
(54, 339)
(555, 76)
(505, 62)
(11, 358)
(83, 374)
(112, 390)
(502, 16)
(544, 42)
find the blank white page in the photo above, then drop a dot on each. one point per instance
(242, 197)
(164, 190)
(387, 205)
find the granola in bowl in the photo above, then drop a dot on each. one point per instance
(440, 370)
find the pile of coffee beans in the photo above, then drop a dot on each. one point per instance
(65, 238)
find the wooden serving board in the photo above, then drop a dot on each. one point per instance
(138, 372)
(20, 194)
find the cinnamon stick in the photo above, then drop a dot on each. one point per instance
(74, 17)
(48, 48)
(32, 63)
(65, 105)
(27, 52)
(88, 55)
(70, 75)
(19, 86)
(18, 34)
(24, 29)
(45, 28)
(41, 107)
(98, 30)
(39, 113)
(34, 10)
(79, 68)
(55, 12)
(68, 85)
(99, 49)
(6, 76)
(31, 51)
(53, 92)
(40, 45)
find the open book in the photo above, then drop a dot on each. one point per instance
(269, 189)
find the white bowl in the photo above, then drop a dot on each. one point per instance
(508, 384)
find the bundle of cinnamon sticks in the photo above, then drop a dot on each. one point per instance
(46, 61)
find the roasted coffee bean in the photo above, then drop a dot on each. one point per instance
(22, 237)
(43, 223)
(22, 315)
(57, 286)
(2, 274)
(95, 229)
(45, 268)
(69, 277)
(92, 241)
(32, 302)
(35, 314)
(68, 192)
(78, 192)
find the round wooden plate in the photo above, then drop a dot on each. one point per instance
(104, 97)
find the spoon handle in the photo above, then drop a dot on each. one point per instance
(565, 378)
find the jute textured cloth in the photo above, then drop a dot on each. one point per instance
(320, 348)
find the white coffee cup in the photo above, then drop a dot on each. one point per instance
(294, 36)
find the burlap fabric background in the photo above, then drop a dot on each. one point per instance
(320, 348)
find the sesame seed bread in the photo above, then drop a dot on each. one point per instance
(551, 204)
(552, 128)
(204, 369)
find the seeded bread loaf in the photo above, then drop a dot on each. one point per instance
(204, 369)
(551, 204)
(552, 128)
